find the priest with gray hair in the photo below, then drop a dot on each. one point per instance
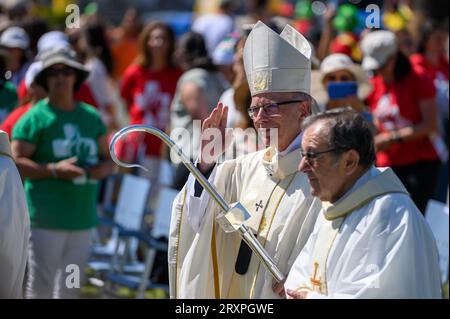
(370, 240)
(204, 260)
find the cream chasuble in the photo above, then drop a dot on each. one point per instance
(14, 225)
(373, 243)
(202, 261)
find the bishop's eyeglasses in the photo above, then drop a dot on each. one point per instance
(270, 109)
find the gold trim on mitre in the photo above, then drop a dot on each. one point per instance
(260, 80)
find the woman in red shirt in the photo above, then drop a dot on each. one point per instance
(405, 112)
(433, 60)
(147, 88)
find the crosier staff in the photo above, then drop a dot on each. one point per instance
(233, 217)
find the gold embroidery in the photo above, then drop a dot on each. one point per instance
(177, 244)
(316, 283)
(215, 263)
(266, 235)
(263, 223)
(260, 81)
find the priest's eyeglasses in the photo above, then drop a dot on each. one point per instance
(270, 109)
(311, 157)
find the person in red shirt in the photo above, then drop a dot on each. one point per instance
(404, 108)
(433, 60)
(147, 88)
(35, 92)
(431, 51)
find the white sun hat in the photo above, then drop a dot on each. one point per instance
(337, 62)
(15, 37)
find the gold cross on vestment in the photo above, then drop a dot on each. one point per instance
(314, 280)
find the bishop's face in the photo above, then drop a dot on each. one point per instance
(278, 115)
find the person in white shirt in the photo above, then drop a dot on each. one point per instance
(370, 240)
(216, 26)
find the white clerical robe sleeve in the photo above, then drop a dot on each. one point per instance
(390, 253)
(14, 230)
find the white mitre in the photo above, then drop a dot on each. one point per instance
(277, 62)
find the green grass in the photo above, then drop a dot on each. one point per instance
(90, 292)
(126, 293)
(93, 292)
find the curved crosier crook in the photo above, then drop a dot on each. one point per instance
(233, 217)
(173, 146)
(115, 139)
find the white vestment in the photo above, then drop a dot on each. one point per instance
(202, 256)
(374, 243)
(14, 225)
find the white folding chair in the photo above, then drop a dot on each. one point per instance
(160, 229)
(166, 173)
(129, 211)
(100, 250)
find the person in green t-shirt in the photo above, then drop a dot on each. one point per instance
(8, 92)
(8, 99)
(60, 148)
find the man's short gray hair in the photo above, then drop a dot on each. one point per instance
(349, 130)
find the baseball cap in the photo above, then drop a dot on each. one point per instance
(51, 40)
(15, 37)
(377, 47)
(223, 54)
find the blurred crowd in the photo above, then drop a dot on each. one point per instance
(78, 86)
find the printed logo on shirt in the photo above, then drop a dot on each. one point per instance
(388, 113)
(155, 104)
(73, 144)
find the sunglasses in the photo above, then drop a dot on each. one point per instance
(311, 157)
(63, 71)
